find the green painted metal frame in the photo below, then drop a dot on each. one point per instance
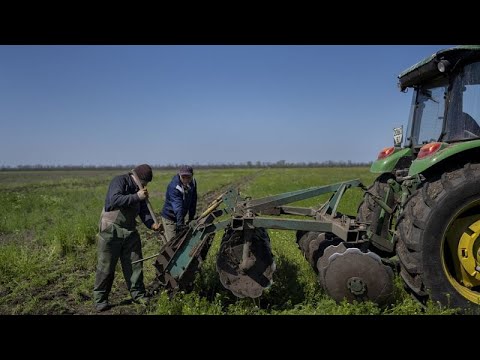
(287, 198)
(242, 217)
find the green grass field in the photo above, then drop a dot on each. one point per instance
(49, 219)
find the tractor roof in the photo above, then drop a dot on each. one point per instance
(427, 68)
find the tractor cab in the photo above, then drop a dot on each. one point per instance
(445, 105)
(445, 110)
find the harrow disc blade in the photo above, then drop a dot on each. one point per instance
(251, 281)
(323, 261)
(317, 247)
(354, 275)
(304, 241)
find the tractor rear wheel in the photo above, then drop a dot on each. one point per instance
(439, 239)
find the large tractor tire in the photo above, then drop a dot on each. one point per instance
(438, 239)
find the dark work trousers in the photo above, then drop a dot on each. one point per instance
(118, 238)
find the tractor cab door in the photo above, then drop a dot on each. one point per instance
(427, 115)
(463, 117)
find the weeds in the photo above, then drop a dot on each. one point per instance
(48, 226)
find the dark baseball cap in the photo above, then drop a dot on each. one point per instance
(185, 170)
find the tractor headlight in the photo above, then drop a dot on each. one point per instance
(443, 65)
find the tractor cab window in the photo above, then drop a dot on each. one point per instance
(463, 120)
(426, 119)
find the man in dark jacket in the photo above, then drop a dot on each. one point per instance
(180, 200)
(119, 238)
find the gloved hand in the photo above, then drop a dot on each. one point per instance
(142, 194)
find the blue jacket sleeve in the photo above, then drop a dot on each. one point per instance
(115, 197)
(177, 205)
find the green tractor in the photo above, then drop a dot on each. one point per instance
(425, 204)
(424, 209)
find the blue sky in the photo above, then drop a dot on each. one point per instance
(120, 105)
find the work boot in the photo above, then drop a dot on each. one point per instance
(102, 307)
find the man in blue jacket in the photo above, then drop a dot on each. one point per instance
(119, 238)
(180, 200)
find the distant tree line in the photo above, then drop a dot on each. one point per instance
(248, 164)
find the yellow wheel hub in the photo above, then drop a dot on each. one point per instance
(463, 241)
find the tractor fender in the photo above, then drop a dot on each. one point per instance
(387, 164)
(420, 165)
